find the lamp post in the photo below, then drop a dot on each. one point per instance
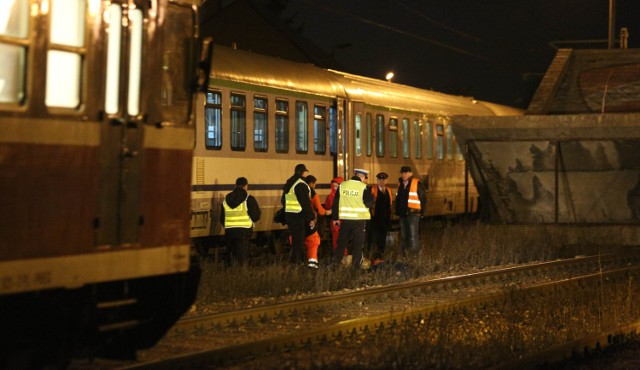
(389, 76)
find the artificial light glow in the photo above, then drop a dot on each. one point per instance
(389, 76)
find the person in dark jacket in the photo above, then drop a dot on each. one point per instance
(351, 210)
(296, 199)
(380, 215)
(238, 213)
(411, 205)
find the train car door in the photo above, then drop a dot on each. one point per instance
(339, 128)
(145, 142)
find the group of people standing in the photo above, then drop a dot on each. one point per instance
(353, 206)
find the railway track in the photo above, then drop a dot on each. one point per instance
(414, 301)
(221, 339)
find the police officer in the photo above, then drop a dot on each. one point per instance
(238, 213)
(411, 205)
(351, 211)
(296, 199)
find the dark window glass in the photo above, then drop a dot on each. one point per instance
(429, 137)
(238, 122)
(302, 127)
(213, 120)
(333, 131)
(260, 125)
(406, 145)
(369, 141)
(393, 137)
(320, 129)
(417, 138)
(380, 135)
(439, 141)
(282, 126)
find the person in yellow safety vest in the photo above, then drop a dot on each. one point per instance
(380, 216)
(351, 211)
(238, 213)
(411, 205)
(296, 199)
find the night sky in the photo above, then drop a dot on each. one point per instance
(493, 50)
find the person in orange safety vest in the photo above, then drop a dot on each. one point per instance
(411, 206)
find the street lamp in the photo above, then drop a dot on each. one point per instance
(389, 76)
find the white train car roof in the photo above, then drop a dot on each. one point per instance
(235, 68)
(402, 97)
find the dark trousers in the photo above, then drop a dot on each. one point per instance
(237, 242)
(296, 228)
(378, 237)
(410, 233)
(354, 231)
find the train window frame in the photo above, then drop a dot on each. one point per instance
(66, 54)
(369, 127)
(440, 141)
(380, 135)
(406, 139)
(429, 139)
(238, 121)
(449, 136)
(260, 123)
(357, 134)
(333, 130)
(215, 128)
(393, 137)
(417, 138)
(282, 125)
(14, 45)
(319, 129)
(302, 127)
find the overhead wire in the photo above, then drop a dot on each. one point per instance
(397, 30)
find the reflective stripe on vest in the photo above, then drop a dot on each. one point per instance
(414, 200)
(351, 206)
(237, 217)
(291, 204)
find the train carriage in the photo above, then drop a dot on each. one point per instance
(263, 115)
(96, 142)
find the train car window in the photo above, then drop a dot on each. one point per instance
(213, 120)
(260, 124)
(417, 139)
(429, 137)
(406, 144)
(380, 135)
(320, 129)
(114, 41)
(393, 137)
(177, 67)
(64, 57)
(439, 141)
(358, 134)
(282, 126)
(14, 23)
(333, 130)
(449, 142)
(135, 62)
(369, 141)
(238, 116)
(302, 127)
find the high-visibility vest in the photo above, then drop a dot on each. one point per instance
(414, 200)
(291, 204)
(237, 217)
(374, 192)
(351, 206)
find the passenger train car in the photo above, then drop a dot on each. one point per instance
(261, 116)
(96, 145)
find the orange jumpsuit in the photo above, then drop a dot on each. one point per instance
(312, 242)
